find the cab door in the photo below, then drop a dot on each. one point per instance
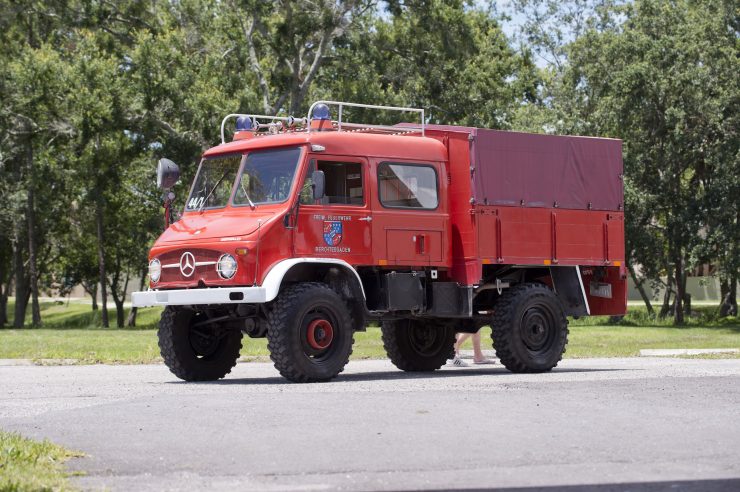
(339, 224)
(410, 223)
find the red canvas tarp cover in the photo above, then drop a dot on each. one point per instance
(534, 170)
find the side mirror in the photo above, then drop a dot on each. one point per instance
(319, 182)
(167, 174)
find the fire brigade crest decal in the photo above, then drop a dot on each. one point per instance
(332, 232)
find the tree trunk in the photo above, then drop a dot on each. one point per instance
(666, 307)
(101, 260)
(729, 297)
(3, 296)
(120, 313)
(131, 322)
(118, 298)
(640, 286)
(4, 291)
(19, 318)
(118, 301)
(724, 289)
(687, 304)
(30, 214)
(3, 306)
(678, 314)
(92, 290)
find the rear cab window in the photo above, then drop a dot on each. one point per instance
(404, 185)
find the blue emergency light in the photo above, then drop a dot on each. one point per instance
(321, 112)
(243, 124)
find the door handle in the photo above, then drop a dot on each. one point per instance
(420, 241)
(369, 218)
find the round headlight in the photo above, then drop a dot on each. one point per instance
(155, 270)
(226, 266)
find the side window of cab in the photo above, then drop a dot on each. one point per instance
(343, 184)
(411, 186)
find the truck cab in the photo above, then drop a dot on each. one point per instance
(304, 230)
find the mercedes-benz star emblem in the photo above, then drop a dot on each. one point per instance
(187, 264)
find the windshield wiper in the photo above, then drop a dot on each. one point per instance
(200, 209)
(251, 203)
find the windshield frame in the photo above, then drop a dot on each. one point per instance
(296, 174)
(197, 174)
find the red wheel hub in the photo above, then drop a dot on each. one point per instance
(320, 334)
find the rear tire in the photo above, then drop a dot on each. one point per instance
(417, 345)
(529, 328)
(309, 333)
(202, 354)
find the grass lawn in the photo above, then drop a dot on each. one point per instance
(71, 332)
(27, 465)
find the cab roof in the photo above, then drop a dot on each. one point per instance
(405, 147)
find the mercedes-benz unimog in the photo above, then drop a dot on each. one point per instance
(304, 230)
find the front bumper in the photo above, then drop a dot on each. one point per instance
(185, 297)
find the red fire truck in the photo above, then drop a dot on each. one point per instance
(305, 230)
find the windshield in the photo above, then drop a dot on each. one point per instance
(267, 176)
(213, 184)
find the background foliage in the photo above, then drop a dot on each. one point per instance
(92, 92)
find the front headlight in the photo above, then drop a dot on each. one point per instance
(155, 270)
(226, 266)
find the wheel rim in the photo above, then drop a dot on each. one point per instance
(203, 340)
(425, 340)
(538, 329)
(318, 333)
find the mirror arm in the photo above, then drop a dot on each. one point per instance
(167, 199)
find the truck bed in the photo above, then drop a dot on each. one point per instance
(537, 200)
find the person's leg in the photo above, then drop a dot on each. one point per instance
(478, 356)
(461, 337)
(477, 352)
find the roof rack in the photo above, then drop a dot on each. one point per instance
(360, 126)
(278, 123)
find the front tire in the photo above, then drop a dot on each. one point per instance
(309, 333)
(196, 353)
(529, 329)
(416, 345)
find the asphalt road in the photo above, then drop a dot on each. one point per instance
(592, 424)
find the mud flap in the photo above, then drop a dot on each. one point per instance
(568, 286)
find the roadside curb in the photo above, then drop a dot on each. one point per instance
(673, 352)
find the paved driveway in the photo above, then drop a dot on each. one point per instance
(618, 424)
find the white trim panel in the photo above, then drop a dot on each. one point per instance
(275, 276)
(223, 295)
(185, 297)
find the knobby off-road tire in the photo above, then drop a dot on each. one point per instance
(309, 333)
(188, 353)
(529, 328)
(417, 345)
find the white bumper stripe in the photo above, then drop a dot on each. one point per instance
(215, 295)
(234, 295)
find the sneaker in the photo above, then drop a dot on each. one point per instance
(458, 362)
